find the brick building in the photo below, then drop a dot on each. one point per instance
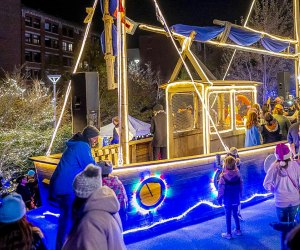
(44, 44)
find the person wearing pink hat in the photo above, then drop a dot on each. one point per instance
(282, 180)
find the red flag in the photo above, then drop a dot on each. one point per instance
(122, 14)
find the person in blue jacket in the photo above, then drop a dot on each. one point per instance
(74, 159)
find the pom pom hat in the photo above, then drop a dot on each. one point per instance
(282, 153)
(88, 181)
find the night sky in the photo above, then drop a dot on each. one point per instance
(192, 12)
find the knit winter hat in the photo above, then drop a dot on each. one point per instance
(106, 167)
(88, 181)
(158, 107)
(12, 208)
(282, 153)
(90, 132)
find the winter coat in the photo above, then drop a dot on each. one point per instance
(230, 188)
(293, 136)
(74, 159)
(252, 137)
(159, 129)
(116, 185)
(99, 225)
(271, 133)
(278, 182)
(284, 124)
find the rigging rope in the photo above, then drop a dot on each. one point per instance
(234, 52)
(87, 29)
(164, 23)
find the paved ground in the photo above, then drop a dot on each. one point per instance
(257, 234)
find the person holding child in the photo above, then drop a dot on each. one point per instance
(229, 193)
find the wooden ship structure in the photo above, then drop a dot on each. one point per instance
(205, 118)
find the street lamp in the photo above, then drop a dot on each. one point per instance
(54, 79)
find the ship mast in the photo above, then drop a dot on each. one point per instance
(122, 86)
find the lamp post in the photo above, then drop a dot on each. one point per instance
(54, 79)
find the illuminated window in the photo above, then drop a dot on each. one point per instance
(183, 111)
(70, 47)
(219, 110)
(36, 39)
(243, 101)
(64, 46)
(27, 37)
(47, 26)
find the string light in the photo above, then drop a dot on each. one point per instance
(203, 202)
(69, 84)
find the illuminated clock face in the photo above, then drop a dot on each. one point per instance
(151, 193)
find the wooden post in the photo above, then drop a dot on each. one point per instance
(109, 55)
(122, 89)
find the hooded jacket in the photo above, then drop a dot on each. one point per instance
(99, 225)
(278, 182)
(117, 186)
(74, 159)
(230, 188)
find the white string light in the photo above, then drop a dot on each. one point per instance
(191, 77)
(69, 84)
(234, 52)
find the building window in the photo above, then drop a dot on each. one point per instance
(36, 23)
(28, 21)
(71, 33)
(54, 28)
(47, 26)
(27, 37)
(28, 56)
(55, 44)
(47, 42)
(68, 61)
(64, 31)
(64, 46)
(36, 56)
(36, 39)
(70, 47)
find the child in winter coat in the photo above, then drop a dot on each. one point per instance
(97, 221)
(230, 190)
(115, 184)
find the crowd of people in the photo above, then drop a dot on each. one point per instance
(89, 196)
(282, 179)
(271, 122)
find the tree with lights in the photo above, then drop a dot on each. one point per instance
(26, 123)
(274, 17)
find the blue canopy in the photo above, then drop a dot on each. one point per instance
(237, 35)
